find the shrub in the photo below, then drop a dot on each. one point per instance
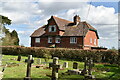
(109, 56)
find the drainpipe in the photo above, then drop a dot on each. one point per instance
(83, 35)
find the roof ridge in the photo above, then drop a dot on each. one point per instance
(61, 19)
(88, 24)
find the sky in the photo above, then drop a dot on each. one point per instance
(28, 16)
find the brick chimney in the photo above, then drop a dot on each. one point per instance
(76, 19)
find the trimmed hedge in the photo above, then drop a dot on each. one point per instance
(109, 56)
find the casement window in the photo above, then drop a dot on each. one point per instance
(57, 40)
(94, 41)
(37, 40)
(52, 28)
(49, 39)
(90, 40)
(73, 40)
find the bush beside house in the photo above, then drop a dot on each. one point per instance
(109, 56)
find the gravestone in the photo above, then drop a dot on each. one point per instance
(75, 65)
(90, 65)
(38, 61)
(29, 63)
(19, 58)
(88, 62)
(50, 65)
(55, 66)
(84, 71)
(65, 64)
(74, 72)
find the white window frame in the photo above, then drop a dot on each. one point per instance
(49, 39)
(37, 40)
(73, 40)
(50, 28)
(57, 39)
(90, 40)
(95, 41)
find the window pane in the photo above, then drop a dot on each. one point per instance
(52, 28)
(37, 40)
(57, 40)
(73, 40)
(49, 39)
(94, 41)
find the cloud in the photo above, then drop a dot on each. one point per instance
(20, 12)
(36, 14)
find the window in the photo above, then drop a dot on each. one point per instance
(37, 40)
(94, 41)
(90, 40)
(57, 39)
(52, 28)
(49, 39)
(73, 40)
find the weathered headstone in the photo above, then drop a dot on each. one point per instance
(75, 65)
(29, 63)
(90, 67)
(65, 64)
(90, 64)
(84, 71)
(75, 72)
(38, 61)
(19, 58)
(55, 66)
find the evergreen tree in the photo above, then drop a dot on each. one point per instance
(15, 38)
(10, 38)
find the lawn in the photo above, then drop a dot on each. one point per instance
(100, 70)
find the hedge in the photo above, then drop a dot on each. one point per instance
(109, 56)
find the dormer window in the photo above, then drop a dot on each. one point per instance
(52, 28)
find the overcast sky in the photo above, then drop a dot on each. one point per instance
(28, 16)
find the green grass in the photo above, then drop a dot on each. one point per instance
(20, 71)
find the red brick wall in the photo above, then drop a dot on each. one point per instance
(90, 34)
(65, 42)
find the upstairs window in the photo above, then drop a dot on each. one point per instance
(94, 41)
(57, 39)
(90, 40)
(73, 40)
(37, 40)
(49, 39)
(52, 28)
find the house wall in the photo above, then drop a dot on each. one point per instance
(65, 42)
(87, 44)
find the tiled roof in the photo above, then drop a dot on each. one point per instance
(61, 22)
(74, 30)
(68, 27)
(40, 31)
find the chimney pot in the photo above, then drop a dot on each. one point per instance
(76, 19)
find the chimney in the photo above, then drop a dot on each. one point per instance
(76, 19)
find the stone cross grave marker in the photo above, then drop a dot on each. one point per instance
(55, 66)
(90, 65)
(19, 58)
(38, 61)
(75, 65)
(65, 64)
(29, 63)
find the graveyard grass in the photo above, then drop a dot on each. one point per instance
(15, 71)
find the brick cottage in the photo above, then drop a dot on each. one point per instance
(65, 34)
